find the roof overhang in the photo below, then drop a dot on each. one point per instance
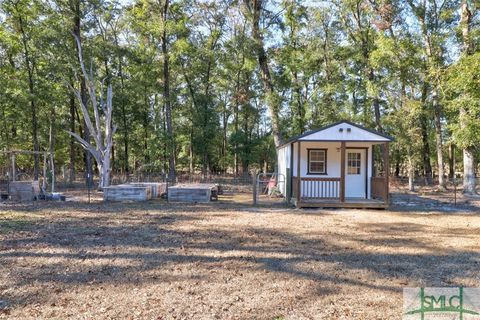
(342, 131)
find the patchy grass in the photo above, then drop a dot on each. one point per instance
(14, 221)
(227, 260)
(7, 226)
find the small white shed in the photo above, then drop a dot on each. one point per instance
(333, 167)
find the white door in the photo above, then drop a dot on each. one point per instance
(355, 175)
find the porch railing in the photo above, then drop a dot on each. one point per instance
(317, 188)
(379, 190)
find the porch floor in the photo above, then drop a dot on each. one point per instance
(349, 203)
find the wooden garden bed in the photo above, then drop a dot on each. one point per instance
(158, 188)
(23, 190)
(200, 192)
(126, 192)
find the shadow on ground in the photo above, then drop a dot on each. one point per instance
(68, 244)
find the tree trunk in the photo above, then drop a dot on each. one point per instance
(469, 182)
(88, 161)
(5, 130)
(71, 173)
(104, 168)
(451, 160)
(427, 166)
(125, 126)
(146, 157)
(236, 123)
(102, 128)
(432, 63)
(398, 160)
(273, 100)
(122, 108)
(166, 95)
(375, 103)
(224, 138)
(190, 153)
(438, 139)
(51, 144)
(299, 121)
(31, 89)
(411, 174)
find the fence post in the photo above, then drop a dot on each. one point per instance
(88, 186)
(254, 182)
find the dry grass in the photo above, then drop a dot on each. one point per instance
(227, 260)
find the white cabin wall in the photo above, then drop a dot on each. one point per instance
(333, 159)
(283, 160)
(295, 156)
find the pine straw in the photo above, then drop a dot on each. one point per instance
(226, 261)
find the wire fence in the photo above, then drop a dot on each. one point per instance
(424, 182)
(229, 182)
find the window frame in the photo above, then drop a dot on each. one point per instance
(358, 160)
(324, 161)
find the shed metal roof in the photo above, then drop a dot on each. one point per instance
(343, 134)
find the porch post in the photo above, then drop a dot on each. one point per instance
(386, 165)
(342, 172)
(299, 184)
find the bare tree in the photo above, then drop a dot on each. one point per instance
(103, 130)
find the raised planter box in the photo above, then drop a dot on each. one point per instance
(125, 192)
(193, 193)
(158, 188)
(24, 190)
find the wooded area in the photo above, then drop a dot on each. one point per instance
(203, 86)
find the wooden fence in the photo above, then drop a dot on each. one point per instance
(317, 188)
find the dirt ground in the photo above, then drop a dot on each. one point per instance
(228, 260)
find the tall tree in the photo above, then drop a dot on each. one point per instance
(21, 12)
(433, 18)
(166, 89)
(76, 10)
(462, 97)
(469, 181)
(255, 8)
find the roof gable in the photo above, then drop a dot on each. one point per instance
(342, 131)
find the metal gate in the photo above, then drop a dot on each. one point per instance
(270, 188)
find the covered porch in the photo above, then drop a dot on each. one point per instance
(332, 191)
(341, 165)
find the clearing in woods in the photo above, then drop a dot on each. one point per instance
(227, 260)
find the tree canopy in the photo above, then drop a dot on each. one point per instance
(204, 86)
